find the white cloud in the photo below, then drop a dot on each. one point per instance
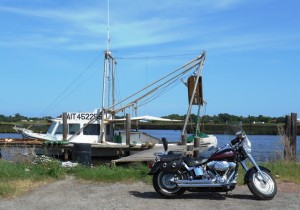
(83, 27)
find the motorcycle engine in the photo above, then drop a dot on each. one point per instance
(219, 170)
(221, 166)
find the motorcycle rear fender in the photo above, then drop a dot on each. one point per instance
(247, 175)
(155, 168)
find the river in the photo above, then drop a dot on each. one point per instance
(264, 147)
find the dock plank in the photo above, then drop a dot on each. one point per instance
(148, 155)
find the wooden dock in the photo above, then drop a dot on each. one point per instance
(65, 150)
(119, 153)
(148, 155)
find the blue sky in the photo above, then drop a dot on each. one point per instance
(51, 54)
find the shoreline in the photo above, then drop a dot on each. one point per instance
(250, 129)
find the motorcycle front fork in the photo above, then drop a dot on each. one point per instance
(244, 165)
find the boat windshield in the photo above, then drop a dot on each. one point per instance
(50, 129)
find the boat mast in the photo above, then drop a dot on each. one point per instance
(108, 77)
(107, 57)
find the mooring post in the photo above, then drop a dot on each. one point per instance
(196, 146)
(65, 125)
(128, 129)
(290, 140)
(183, 139)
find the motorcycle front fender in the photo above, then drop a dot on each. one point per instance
(155, 168)
(247, 177)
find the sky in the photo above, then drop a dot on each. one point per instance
(52, 54)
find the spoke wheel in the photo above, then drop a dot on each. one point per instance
(261, 189)
(164, 184)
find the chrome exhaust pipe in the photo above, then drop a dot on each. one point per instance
(200, 185)
(197, 183)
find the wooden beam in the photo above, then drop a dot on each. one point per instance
(290, 140)
(128, 129)
(65, 126)
(196, 146)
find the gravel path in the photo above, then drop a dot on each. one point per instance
(73, 194)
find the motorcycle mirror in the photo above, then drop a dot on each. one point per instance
(165, 143)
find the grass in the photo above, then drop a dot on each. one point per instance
(281, 170)
(285, 171)
(128, 174)
(18, 178)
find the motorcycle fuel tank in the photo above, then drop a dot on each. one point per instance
(227, 154)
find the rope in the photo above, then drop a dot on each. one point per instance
(197, 60)
(60, 98)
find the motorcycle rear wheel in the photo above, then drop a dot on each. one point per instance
(260, 189)
(164, 185)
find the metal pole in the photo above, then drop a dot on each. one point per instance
(193, 94)
(106, 66)
(113, 83)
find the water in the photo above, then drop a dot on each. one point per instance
(264, 147)
(10, 136)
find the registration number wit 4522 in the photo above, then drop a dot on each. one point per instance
(82, 116)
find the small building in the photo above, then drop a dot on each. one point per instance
(258, 123)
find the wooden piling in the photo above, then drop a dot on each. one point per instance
(128, 129)
(290, 140)
(183, 139)
(65, 125)
(196, 146)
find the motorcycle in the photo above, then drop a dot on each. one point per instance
(214, 170)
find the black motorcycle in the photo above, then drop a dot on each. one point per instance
(214, 170)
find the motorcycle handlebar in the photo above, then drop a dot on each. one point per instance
(234, 141)
(237, 140)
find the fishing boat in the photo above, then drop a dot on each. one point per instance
(91, 131)
(98, 126)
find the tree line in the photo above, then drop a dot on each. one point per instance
(222, 118)
(18, 117)
(225, 118)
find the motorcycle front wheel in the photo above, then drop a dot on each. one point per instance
(164, 185)
(260, 189)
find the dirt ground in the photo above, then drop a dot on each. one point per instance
(73, 194)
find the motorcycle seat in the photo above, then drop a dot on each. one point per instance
(171, 156)
(207, 153)
(179, 153)
(195, 162)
